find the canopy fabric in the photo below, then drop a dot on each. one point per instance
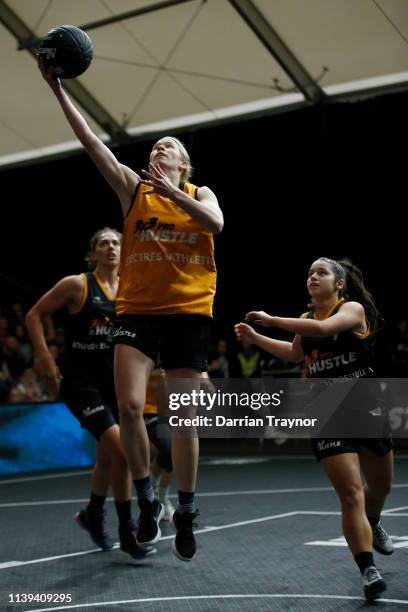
(164, 66)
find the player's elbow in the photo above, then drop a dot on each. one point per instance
(218, 226)
(32, 316)
(29, 318)
(218, 223)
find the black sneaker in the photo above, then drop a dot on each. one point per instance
(95, 525)
(148, 530)
(129, 545)
(373, 583)
(184, 544)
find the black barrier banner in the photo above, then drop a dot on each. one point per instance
(288, 408)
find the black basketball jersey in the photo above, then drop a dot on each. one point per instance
(342, 356)
(89, 338)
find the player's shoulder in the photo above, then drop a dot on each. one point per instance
(352, 307)
(72, 283)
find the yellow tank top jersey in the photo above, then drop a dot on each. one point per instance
(167, 259)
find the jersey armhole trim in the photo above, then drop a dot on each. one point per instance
(84, 295)
(132, 201)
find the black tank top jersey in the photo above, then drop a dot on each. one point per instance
(89, 338)
(343, 356)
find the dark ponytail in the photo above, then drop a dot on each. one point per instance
(356, 290)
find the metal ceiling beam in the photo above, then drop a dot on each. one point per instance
(280, 51)
(130, 14)
(154, 134)
(99, 114)
(99, 23)
(365, 93)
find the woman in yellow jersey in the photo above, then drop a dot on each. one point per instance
(164, 303)
(87, 385)
(334, 340)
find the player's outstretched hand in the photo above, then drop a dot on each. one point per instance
(259, 317)
(158, 181)
(245, 332)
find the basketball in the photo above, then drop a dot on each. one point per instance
(68, 50)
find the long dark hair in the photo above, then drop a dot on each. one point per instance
(94, 241)
(354, 289)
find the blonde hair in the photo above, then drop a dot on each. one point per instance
(187, 172)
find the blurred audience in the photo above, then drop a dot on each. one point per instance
(6, 382)
(19, 378)
(12, 354)
(14, 396)
(29, 386)
(218, 363)
(248, 361)
(20, 382)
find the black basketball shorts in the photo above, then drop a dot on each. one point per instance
(94, 407)
(181, 340)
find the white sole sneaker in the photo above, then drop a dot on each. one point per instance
(382, 542)
(373, 583)
(158, 534)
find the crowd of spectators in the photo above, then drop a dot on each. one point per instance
(20, 381)
(19, 378)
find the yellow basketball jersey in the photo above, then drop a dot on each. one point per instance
(167, 259)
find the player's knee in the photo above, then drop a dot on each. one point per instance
(130, 409)
(351, 496)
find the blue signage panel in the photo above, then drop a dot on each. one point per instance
(37, 437)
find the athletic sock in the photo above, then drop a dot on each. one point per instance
(373, 520)
(123, 512)
(364, 559)
(186, 502)
(96, 503)
(144, 489)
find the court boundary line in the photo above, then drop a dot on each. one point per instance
(79, 472)
(6, 481)
(199, 495)
(221, 596)
(205, 530)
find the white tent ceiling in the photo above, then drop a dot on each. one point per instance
(163, 66)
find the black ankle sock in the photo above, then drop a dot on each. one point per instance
(363, 560)
(373, 520)
(144, 489)
(185, 501)
(96, 503)
(123, 512)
